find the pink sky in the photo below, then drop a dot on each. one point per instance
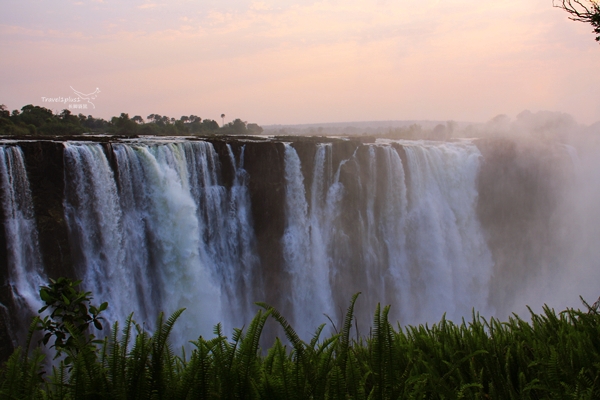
(286, 62)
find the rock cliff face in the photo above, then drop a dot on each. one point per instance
(519, 188)
(45, 169)
(264, 163)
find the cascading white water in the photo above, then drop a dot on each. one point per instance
(24, 262)
(386, 246)
(244, 285)
(184, 281)
(304, 245)
(134, 226)
(451, 264)
(162, 233)
(419, 247)
(94, 219)
(156, 226)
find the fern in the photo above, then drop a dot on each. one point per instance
(247, 355)
(138, 379)
(345, 337)
(21, 375)
(162, 356)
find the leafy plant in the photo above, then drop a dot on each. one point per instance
(71, 316)
(550, 355)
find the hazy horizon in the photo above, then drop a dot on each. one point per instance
(296, 62)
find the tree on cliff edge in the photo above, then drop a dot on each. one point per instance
(582, 10)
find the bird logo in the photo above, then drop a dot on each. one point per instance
(87, 97)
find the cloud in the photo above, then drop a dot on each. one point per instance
(45, 35)
(260, 6)
(148, 6)
(13, 30)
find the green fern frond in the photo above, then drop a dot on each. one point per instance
(290, 333)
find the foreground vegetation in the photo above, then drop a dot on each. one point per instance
(553, 356)
(36, 120)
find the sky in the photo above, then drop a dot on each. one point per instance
(292, 62)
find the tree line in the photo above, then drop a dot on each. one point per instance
(36, 120)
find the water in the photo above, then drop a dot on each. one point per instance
(305, 244)
(161, 233)
(25, 271)
(419, 244)
(451, 265)
(158, 226)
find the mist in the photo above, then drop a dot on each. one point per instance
(538, 190)
(551, 255)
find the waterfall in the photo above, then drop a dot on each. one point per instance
(135, 233)
(387, 227)
(161, 232)
(304, 245)
(228, 244)
(24, 262)
(155, 226)
(94, 219)
(244, 286)
(416, 245)
(451, 265)
(184, 280)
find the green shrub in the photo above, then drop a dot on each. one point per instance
(552, 356)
